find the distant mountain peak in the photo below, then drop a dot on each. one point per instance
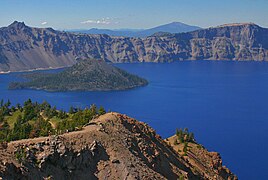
(17, 24)
(173, 27)
(177, 22)
(170, 28)
(176, 25)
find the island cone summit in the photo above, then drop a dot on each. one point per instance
(86, 75)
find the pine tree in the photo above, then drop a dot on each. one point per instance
(71, 110)
(93, 109)
(1, 103)
(101, 111)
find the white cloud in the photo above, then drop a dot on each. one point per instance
(88, 22)
(104, 21)
(44, 23)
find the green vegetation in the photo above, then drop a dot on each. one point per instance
(12, 119)
(184, 136)
(185, 148)
(87, 75)
(34, 120)
(20, 155)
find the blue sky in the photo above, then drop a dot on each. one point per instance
(84, 14)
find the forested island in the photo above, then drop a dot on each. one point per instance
(86, 75)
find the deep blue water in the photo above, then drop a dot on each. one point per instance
(223, 103)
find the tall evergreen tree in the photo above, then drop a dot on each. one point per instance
(101, 111)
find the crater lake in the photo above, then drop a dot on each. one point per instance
(223, 102)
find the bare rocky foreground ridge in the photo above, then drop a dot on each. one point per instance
(112, 146)
(25, 48)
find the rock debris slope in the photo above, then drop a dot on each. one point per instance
(112, 146)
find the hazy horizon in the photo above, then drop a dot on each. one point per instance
(119, 14)
(123, 28)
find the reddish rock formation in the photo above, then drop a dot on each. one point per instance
(113, 146)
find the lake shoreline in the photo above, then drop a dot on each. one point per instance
(187, 60)
(33, 70)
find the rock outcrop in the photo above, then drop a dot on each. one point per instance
(201, 161)
(112, 146)
(26, 48)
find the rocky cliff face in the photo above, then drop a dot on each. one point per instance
(228, 42)
(200, 159)
(24, 48)
(112, 146)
